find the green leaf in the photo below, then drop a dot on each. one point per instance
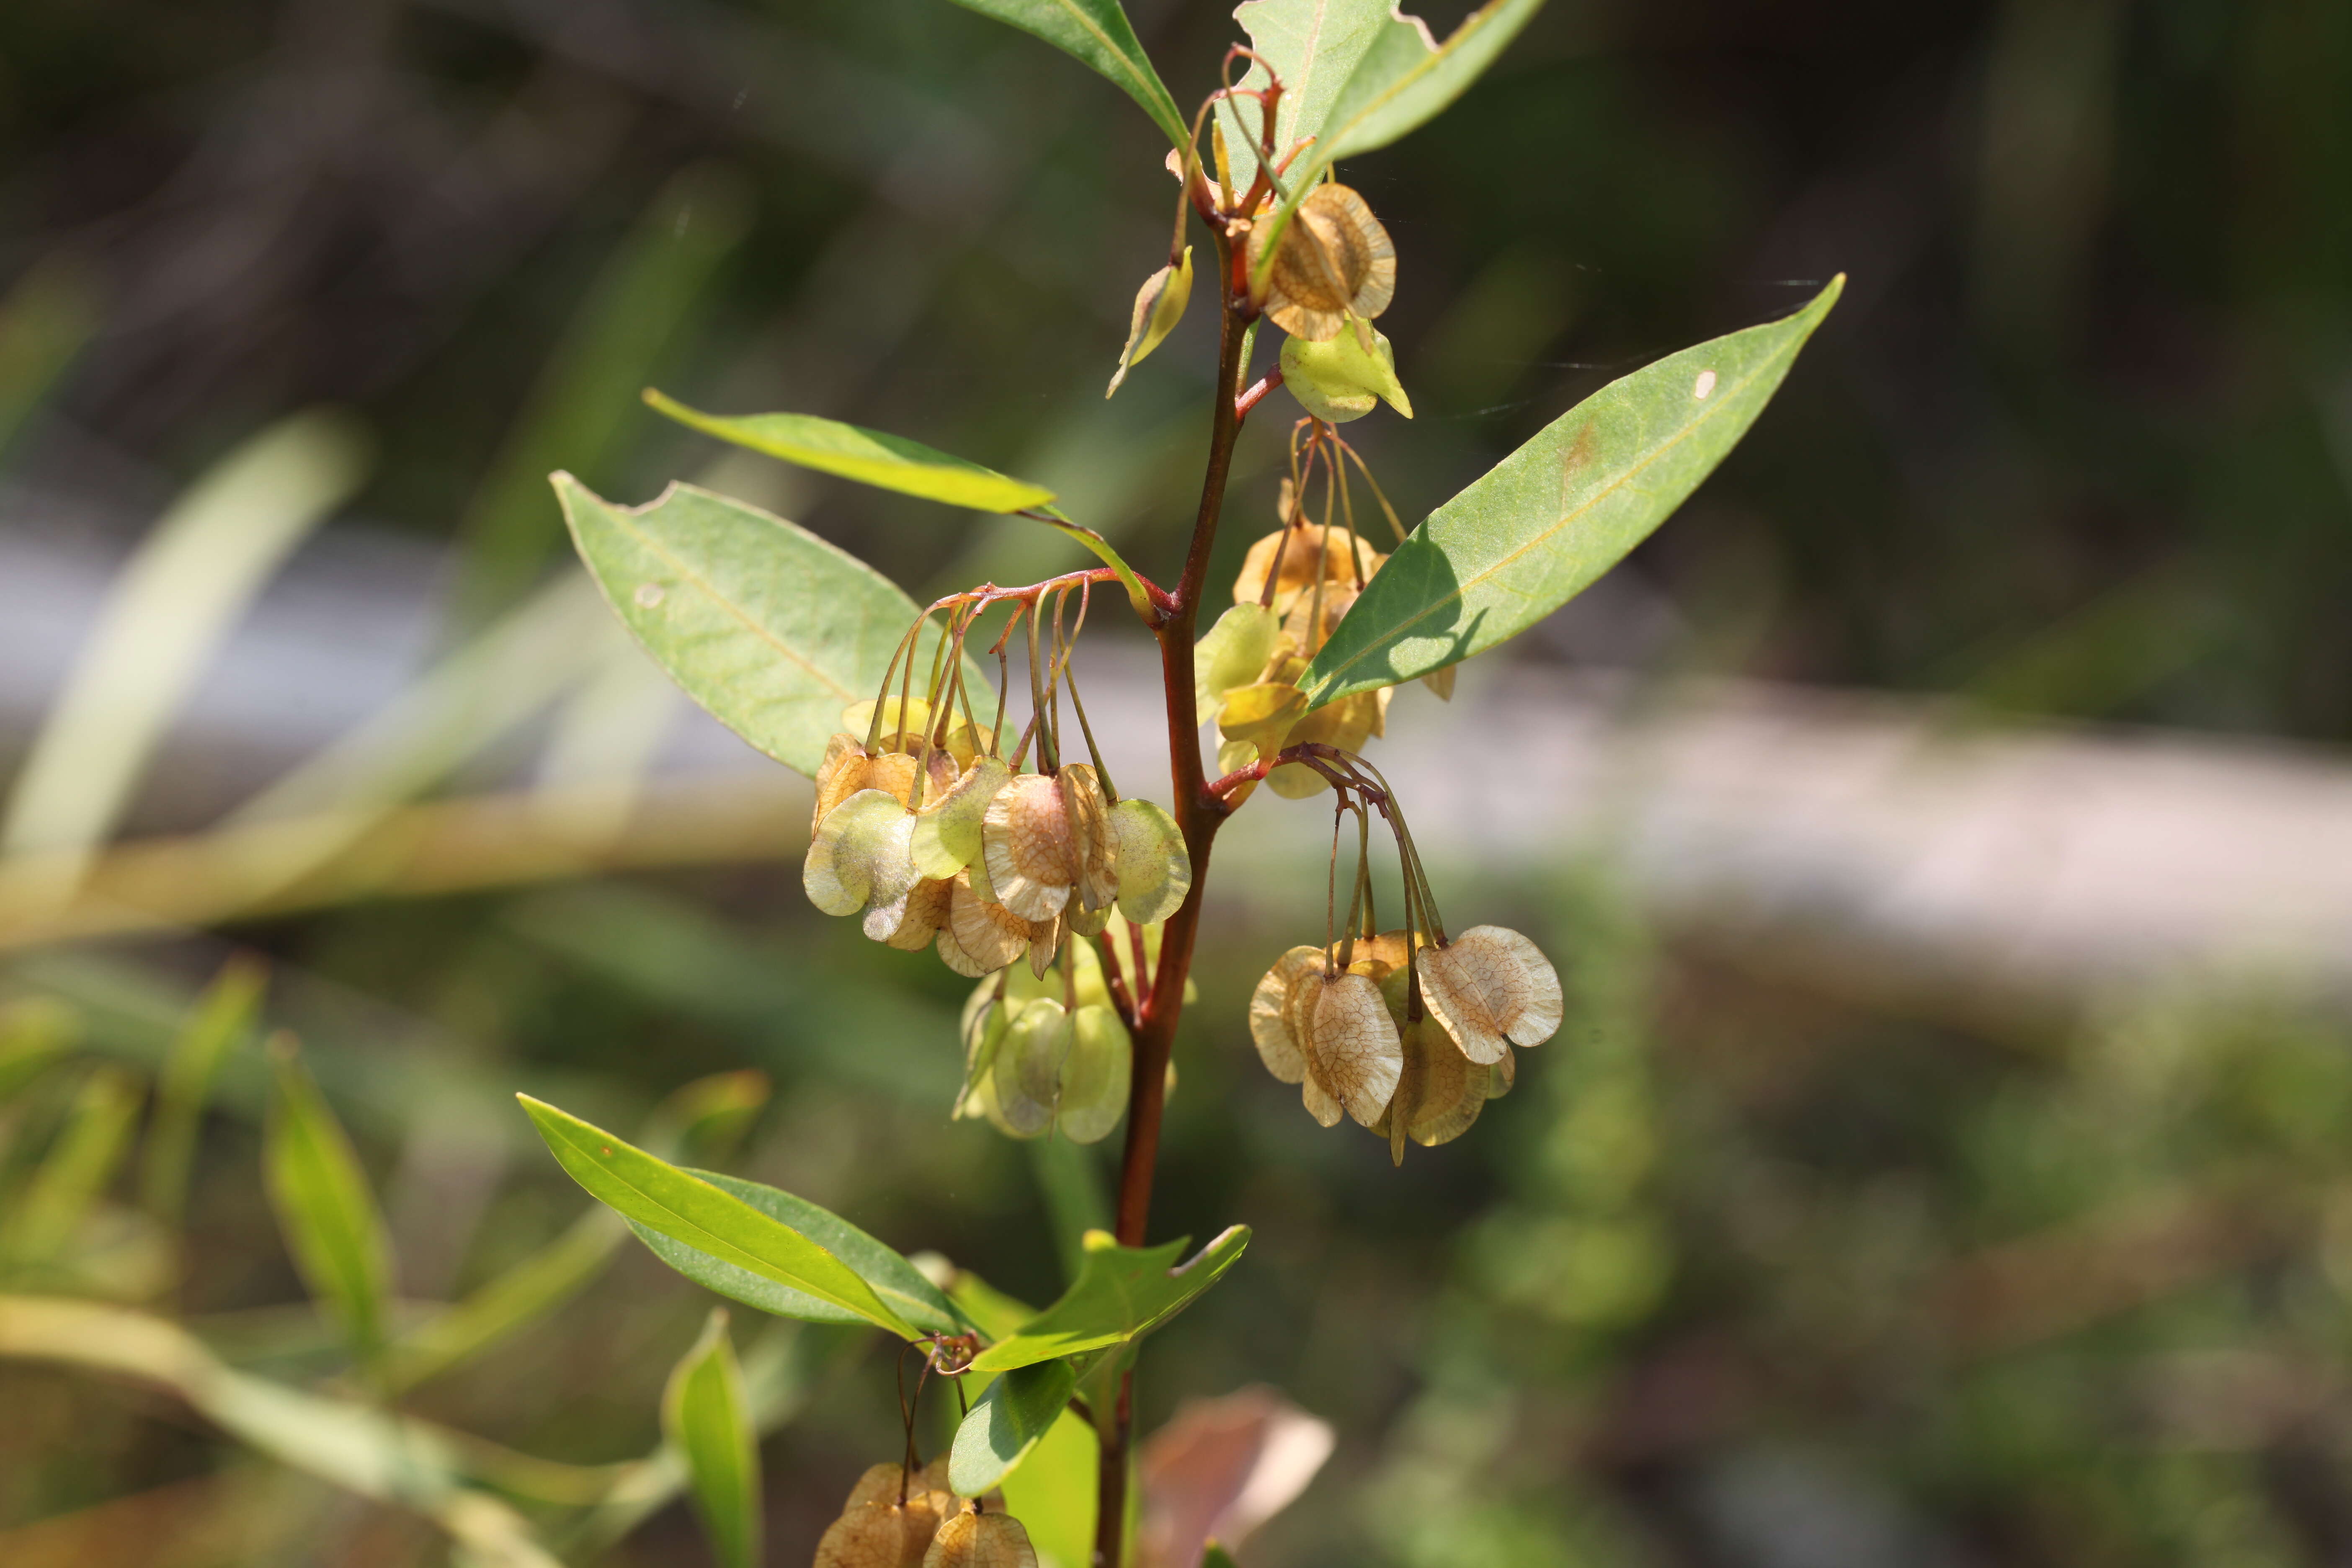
(1216, 1556)
(1006, 1421)
(1053, 1489)
(869, 456)
(222, 1019)
(706, 1417)
(687, 1208)
(899, 1283)
(768, 626)
(1122, 1293)
(80, 1161)
(1096, 32)
(1364, 74)
(35, 1033)
(707, 1113)
(1547, 521)
(325, 1210)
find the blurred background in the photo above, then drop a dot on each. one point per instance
(1943, 826)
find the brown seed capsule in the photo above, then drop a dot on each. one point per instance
(1028, 848)
(876, 1531)
(981, 1541)
(1439, 1092)
(1306, 550)
(1491, 988)
(1349, 1042)
(848, 767)
(1271, 1028)
(909, 922)
(1334, 260)
(980, 937)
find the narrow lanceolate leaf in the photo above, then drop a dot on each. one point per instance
(899, 1283)
(869, 456)
(706, 1418)
(75, 1173)
(1005, 1423)
(686, 1208)
(1543, 525)
(1096, 32)
(325, 1209)
(1359, 74)
(1122, 1293)
(223, 1017)
(761, 621)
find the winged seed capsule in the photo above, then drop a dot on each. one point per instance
(1334, 261)
(981, 1541)
(1045, 839)
(1492, 989)
(876, 1531)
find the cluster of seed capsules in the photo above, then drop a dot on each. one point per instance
(926, 830)
(901, 1517)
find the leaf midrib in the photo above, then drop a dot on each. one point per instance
(627, 522)
(722, 1245)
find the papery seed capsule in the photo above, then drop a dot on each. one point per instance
(1271, 1026)
(1155, 870)
(1028, 1068)
(1306, 550)
(859, 854)
(848, 767)
(981, 1541)
(1347, 724)
(947, 836)
(1340, 379)
(1491, 988)
(876, 1531)
(1439, 1092)
(1298, 1012)
(1334, 260)
(1351, 1044)
(1096, 1076)
(980, 937)
(1095, 845)
(1028, 847)
(1233, 653)
(910, 921)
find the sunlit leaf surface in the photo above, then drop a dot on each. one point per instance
(761, 621)
(1544, 523)
(1122, 1293)
(686, 1208)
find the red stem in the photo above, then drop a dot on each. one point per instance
(1198, 814)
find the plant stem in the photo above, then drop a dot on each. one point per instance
(1198, 814)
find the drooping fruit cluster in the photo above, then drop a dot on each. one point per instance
(901, 1518)
(926, 830)
(1294, 587)
(1408, 1032)
(937, 844)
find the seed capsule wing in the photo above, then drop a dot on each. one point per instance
(1155, 871)
(910, 921)
(995, 1540)
(1095, 1080)
(1027, 845)
(987, 936)
(947, 830)
(1270, 1025)
(1094, 847)
(1492, 988)
(1351, 1044)
(859, 854)
(1028, 1073)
